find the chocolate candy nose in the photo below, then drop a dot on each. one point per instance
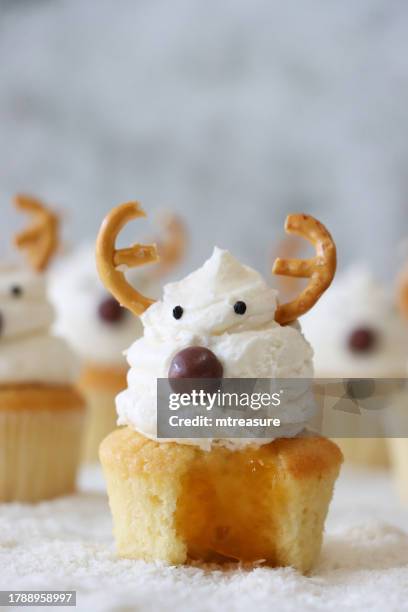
(195, 362)
(362, 340)
(110, 311)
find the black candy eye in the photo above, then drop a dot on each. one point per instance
(240, 307)
(177, 312)
(16, 290)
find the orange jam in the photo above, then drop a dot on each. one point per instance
(229, 504)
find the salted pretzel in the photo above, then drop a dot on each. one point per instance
(172, 247)
(402, 292)
(289, 247)
(109, 259)
(320, 268)
(40, 240)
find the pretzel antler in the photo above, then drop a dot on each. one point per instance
(41, 238)
(173, 247)
(289, 247)
(108, 258)
(320, 269)
(402, 292)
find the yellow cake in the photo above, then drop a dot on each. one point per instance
(40, 437)
(175, 502)
(365, 452)
(398, 446)
(99, 385)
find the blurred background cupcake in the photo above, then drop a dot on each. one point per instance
(397, 416)
(357, 333)
(100, 330)
(41, 412)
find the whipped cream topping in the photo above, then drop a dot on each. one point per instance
(356, 301)
(28, 351)
(77, 294)
(251, 345)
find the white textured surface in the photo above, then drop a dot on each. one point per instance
(67, 544)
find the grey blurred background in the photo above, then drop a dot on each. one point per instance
(232, 113)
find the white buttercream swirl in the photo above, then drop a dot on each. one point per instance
(356, 300)
(28, 351)
(251, 345)
(77, 293)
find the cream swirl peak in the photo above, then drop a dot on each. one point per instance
(207, 298)
(248, 344)
(28, 351)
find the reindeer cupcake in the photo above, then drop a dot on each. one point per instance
(99, 329)
(356, 332)
(397, 417)
(41, 413)
(214, 500)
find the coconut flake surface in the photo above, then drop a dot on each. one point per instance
(67, 544)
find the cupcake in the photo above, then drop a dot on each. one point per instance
(99, 329)
(356, 332)
(397, 417)
(41, 412)
(398, 449)
(219, 499)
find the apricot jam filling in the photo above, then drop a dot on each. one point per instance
(229, 503)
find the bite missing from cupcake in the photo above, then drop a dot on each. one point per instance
(221, 499)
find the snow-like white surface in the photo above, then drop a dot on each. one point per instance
(67, 544)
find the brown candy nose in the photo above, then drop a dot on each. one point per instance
(362, 340)
(110, 311)
(195, 362)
